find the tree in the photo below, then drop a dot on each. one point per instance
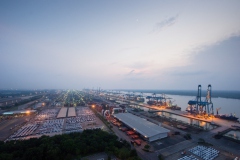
(133, 153)
(201, 140)
(147, 146)
(124, 153)
(67, 146)
(160, 157)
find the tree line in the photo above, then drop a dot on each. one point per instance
(67, 147)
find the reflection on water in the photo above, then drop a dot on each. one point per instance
(233, 134)
(194, 122)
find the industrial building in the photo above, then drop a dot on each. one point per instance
(148, 130)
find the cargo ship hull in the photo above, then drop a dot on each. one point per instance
(227, 117)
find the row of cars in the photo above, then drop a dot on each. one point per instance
(83, 111)
(73, 127)
(73, 124)
(24, 131)
(51, 126)
(47, 114)
(46, 123)
(81, 119)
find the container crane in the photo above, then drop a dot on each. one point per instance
(199, 106)
(208, 100)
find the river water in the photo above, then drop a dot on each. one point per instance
(227, 105)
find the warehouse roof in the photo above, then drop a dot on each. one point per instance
(62, 113)
(142, 126)
(71, 112)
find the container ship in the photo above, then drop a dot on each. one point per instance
(139, 99)
(227, 117)
(136, 98)
(173, 107)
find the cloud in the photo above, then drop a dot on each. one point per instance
(190, 73)
(113, 63)
(165, 23)
(140, 65)
(216, 64)
(131, 72)
(127, 49)
(134, 75)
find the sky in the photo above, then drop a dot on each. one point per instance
(111, 44)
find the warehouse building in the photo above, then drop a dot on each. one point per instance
(19, 112)
(148, 130)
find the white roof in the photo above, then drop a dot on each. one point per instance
(62, 113)
(19, 112)
(141, 125)
(71, 112)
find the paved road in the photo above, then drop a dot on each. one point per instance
(142, 154)
(6, 125)
(24, 106)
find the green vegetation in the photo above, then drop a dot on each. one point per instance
(201, 141)
(160, 157)
(67, 147)
(146, 148)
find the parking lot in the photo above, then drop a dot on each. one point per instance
(166, 142)
(47, 123)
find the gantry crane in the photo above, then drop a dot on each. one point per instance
(198, 106)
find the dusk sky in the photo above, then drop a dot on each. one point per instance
(126, 44)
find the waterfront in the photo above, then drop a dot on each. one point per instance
(227, 105)
(205, 125)
(190, 121)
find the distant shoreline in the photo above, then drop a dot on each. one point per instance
(215, 94)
